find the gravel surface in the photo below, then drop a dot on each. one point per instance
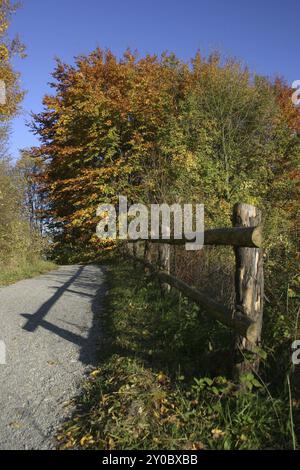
(50, 326)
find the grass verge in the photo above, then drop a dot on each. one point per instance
(164, 381)
(24, 270)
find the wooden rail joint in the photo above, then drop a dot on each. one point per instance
(246, 239)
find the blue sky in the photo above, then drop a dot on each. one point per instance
(262, 33)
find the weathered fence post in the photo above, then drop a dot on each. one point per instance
(249, 289)
(164, 263)
(147, 254)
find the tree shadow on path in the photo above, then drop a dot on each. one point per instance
(88, 345)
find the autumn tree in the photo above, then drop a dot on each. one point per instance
(157, 130)
(8, 77)
(101, 133)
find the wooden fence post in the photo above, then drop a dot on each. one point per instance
(164, 260)
(147, 254)
(249, 289)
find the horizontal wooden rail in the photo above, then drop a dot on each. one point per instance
(234, 236)
(234, 319)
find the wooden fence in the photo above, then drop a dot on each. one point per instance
(245, 318)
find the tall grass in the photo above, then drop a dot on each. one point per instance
(23, 269)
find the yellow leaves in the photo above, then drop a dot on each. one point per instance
(195, 446)
(163, 410)
(156, 440)
(104, 399)
(76, 222)
(110, 444)
(291, 293)
(95, 373)
(86, 440)
(82, 216)
(3, 24)
(66, 439)
(217, 433)
(162, 378)
(4, 53)
(185, 160)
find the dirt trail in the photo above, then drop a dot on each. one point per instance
(50, 327)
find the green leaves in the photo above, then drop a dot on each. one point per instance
(250, 381)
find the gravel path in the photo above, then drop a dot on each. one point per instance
(50, 327)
